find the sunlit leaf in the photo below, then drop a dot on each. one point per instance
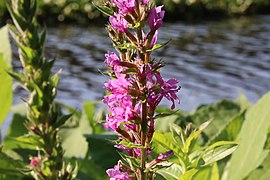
(218, 151)
(172, 172)
(207, 173)
(166, 141)
(157, 46)
(230, 131)
(5, 79)
(262, 172)
(252, 137)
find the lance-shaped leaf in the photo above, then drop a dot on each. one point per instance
(218, 151)
(5, 79)
(172, 172)
(158, 46)
(105, 10)
(252, 138)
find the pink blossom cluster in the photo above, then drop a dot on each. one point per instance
(136, 86)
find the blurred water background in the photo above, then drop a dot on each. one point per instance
(212, 59)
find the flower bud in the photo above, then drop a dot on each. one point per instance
(155, 18)
(35, 161)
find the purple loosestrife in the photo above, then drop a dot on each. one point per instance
(136, 86)
(125, 6)
(116, 174)
(119, 23)
(155, 18)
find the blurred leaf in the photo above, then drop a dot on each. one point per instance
(218, 151)
(5, 79)
(89, 113)
(230, 131)
(87, 124)
(172, 172)
(163, 123)
(262, 172)
(193, 137)
(102, 151)
(219, 113)
(188, 175)
(62, 120)
(243, 102)
(21, 142)
(252, 137)
(5, 47)
(105, 10)
(88, 170)
(207, 173)
(74, 136)
(9, 167)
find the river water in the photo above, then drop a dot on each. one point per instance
(212, 60)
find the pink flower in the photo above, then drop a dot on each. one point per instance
(145, 2)
(139, 151)
(119, 85)
(35, 161)
(155, 18)
(121, 109)
(160, 89)
(125, 6)
(119, 23)
(116, 174)
(112, 59)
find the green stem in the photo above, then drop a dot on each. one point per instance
(143, 140)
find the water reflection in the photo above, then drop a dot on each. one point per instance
(212, 60)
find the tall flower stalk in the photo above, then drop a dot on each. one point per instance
(43, 120)
(136, 86)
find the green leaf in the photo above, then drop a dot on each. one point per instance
(243, 102)
(62, 120)
(89, 109)
(252, 137)
(207, 173)
(218, 151)
(188, 175)
(163, 123)
(158, 46)
(9, 166)
(5, 47)
(267, 142)
(74, 136)
(170, 173)
(167, 142)
(262, 172)
(102, 151)
(87, 169)
(193, 137)
(5, 79)
(131, 145)
(105, 10)
(219, 113)
(230, 131)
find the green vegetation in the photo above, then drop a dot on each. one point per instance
(237, 121)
